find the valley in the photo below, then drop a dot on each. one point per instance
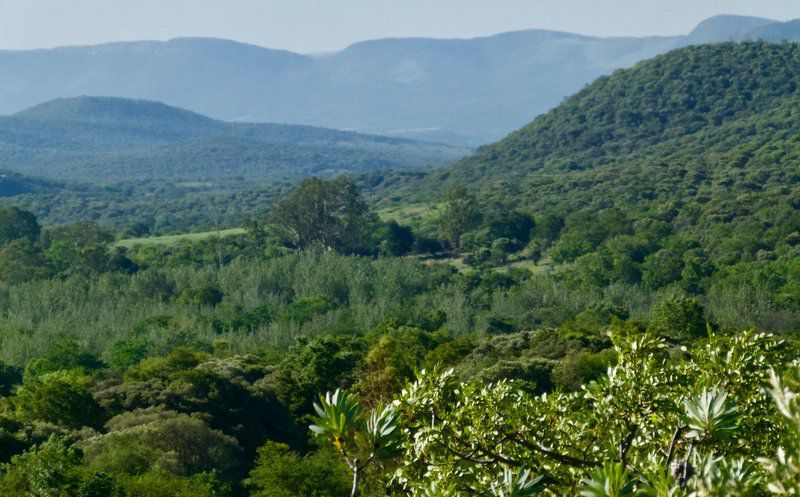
(601, 299)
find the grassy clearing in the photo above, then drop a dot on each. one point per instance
(422, 216)
(527, 264)
(462, 267)
(175, 239)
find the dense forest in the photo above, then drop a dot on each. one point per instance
(606, 303)
(135, 208)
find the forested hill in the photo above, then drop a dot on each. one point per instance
(694, 149)
(696, 102)
(113, 139)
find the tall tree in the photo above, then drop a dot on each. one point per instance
(21, 260)
(329, 213)
(459, 216)
(79, 248)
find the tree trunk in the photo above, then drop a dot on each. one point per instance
(354, 492)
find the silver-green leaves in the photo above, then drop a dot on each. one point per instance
(783, 471)
(711, 416)
(519, 484)
(360, 441)
(381, 433)
(337, 416)
(612, 480)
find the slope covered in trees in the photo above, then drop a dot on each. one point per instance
(691, 152)
(113, 139)
(688, 94)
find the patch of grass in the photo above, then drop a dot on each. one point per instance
(422, 216)
(527, 264)
(175, 239)
(458, 262)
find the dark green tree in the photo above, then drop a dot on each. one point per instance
(280, 472)
(316, 366)
(21, 260)
(81, 248)
(203, 296)
(460, 214)
(328, 213)
(63, 398)
(394, 239)
(16, 223)
(66, 353)
(680, 318)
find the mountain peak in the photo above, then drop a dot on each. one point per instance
(726, 28)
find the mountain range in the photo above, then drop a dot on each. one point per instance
(460, 91)
(111, 139)
(703, 138)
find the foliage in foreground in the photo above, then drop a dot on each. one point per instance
(661, 423)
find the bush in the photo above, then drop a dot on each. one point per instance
(280, 472)
(580, 368)
(679, 318)
(204, 296)
(176, 443)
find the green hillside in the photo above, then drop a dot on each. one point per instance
(665, 100)
(113, 139)
(697, 149)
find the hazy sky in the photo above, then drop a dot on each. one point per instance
(322, 25)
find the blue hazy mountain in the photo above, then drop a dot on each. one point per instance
(465, 91)
(115, 139)
(726, 28)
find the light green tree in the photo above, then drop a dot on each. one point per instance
(657, 424)
(361, 438)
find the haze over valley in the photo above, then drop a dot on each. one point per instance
(465, 92)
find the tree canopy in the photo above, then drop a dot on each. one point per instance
(328, 213)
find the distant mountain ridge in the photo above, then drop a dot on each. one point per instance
(113, 139)
(98, 109)
(464, 91)
(726, 28)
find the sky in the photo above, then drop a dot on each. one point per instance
(310, 26)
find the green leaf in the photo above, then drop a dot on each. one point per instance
(337, 417)
(518, 484)
(711, 416)
(612, 480)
